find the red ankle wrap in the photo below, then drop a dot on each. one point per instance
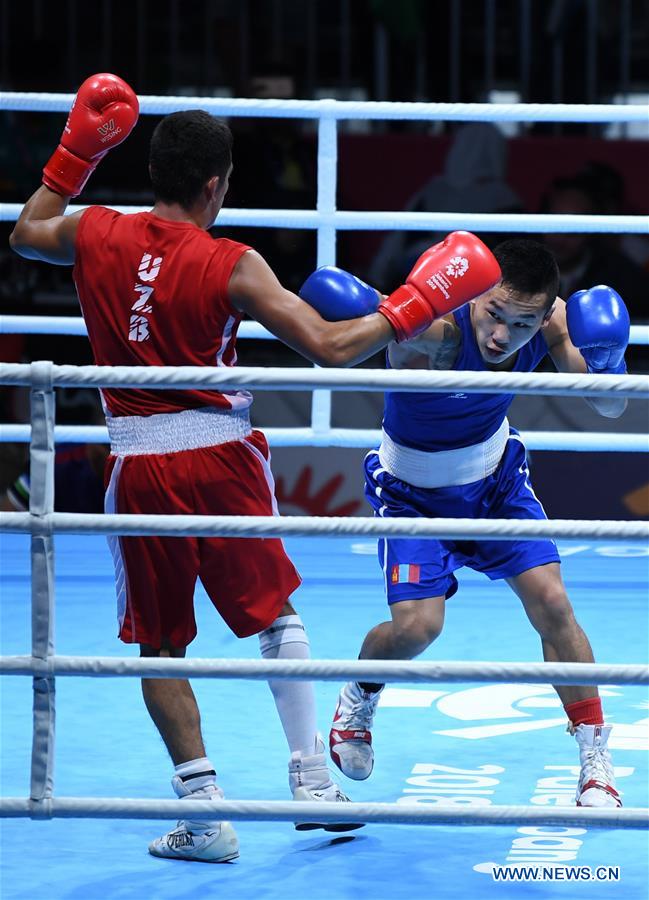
(585, 712)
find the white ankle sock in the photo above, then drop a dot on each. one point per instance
(194, 775)
(196, 780)
(295, 700)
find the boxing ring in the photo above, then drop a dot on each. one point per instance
(492, 758)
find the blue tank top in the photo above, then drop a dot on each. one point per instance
(451, 420)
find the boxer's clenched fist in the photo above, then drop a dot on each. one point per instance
(102, 116)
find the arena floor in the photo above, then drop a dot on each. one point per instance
(500, 744)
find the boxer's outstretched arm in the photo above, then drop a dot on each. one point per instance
(255, 290)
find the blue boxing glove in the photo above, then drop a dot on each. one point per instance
(599, 326)
(338, 295)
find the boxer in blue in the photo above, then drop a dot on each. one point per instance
(455, 455)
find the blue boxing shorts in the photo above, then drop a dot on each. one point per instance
(416, 568)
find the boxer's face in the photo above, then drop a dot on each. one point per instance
(504, 320)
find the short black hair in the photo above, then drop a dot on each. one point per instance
(528, 267)
(187, 149)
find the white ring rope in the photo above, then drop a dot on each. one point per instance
(289, 811)
(75, 325)
(270, 379)
(366, 438)
(43, 101)
(334, 110)
(329, 526)
(347, 220)
(410, 671)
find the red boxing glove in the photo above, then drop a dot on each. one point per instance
(444, 278)
(103, 114)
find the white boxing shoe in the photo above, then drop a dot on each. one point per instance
(596, 786)
(217, 844)
(198, 841)
(350, 738)
(309, 779)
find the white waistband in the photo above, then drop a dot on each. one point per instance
(443, 468)
(173, 432)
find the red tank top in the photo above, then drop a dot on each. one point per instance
(155, 293)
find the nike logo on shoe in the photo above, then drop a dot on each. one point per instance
(339, 737)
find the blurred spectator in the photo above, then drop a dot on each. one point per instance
(588, 259)
(564, 33)
(474, 180)
(78, 481)
(607, 186)
(78, 468)
(282, 177)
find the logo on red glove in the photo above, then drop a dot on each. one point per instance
(108, 131)
(457, 267)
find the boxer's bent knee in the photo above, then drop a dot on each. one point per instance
(552, 611)
(417, 623)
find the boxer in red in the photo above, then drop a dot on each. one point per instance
(156, 290)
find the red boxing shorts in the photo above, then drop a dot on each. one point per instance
(247, 579)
